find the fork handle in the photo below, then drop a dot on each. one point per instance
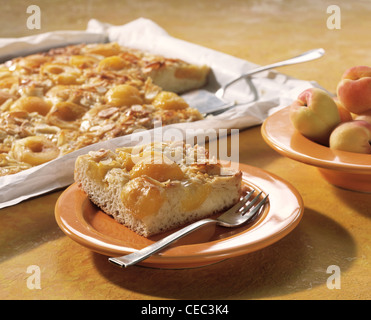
(306, 56)
(140, 255)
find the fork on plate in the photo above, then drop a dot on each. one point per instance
(242, 212)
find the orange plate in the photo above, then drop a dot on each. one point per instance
(343, 169)
(89, 226)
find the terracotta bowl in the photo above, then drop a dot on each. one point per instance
(346, 170)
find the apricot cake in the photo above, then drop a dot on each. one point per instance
(157, 187)
(55, 102)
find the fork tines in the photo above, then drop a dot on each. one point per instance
(245, 209)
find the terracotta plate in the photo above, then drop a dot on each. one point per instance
(89, 226)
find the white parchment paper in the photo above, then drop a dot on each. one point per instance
(275, 91)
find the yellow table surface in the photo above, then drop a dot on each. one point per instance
(335, 229)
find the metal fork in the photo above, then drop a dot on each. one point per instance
(239, 214)
(306, 56)
(213, 103)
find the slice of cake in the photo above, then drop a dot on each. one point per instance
(157, 187)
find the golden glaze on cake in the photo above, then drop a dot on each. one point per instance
(157, 187)
(59, 101)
